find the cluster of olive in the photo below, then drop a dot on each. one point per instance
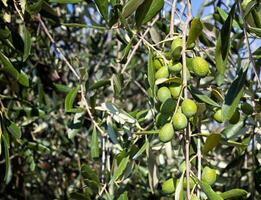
(170, 91)
(209, 175)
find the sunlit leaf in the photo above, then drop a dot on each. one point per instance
(13, 129)
(103, 8)
(223, 46)
(194, 32)
(233, 193)
(151, 72)
(130, 7)
(69, 99)
(211, 194)
(119, 171)
(203, 97)
(211, 142)
(233, 95)
(27, 43)
(95, 144)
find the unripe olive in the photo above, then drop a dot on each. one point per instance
(176, 43)
(163, 72)
(182, 166)
(163, 94)
(175, 67)
(247, 108)
(166, 133)
(218, 116)
(179, 121)
(168, 186)
(200, 66)
(191, 183)
(235, 117)
(158, 63)
(175, 90)
(189, 108)
(176, 48)
(209, 175)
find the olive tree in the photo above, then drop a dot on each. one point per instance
(130, 99)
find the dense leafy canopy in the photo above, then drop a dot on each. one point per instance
(91, 94)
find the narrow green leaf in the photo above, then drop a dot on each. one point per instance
(119, 171)
(130, 7)
(62, 88)
(69, 99)
(151, 72)
(211, 194)
(179, 190)
(223, 47)
(14, 129)
(233, 129)
(142, 149)
(117, 83)
(234, 193)
(74, 25)
(103, 8)
(89, 173)
(224, 16)
(23, 79)
(202, 97)
(94, 144)
(142, 11)
(123, 196)
(8, 66)
(232, 143)
(66, 1)
(233, 95)
(194, 32)
(254, 30)
(27, 43)
(211, 142)
(155, 8)
(147, 132)
(126, 51)
(99, 84)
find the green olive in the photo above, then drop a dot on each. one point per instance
(166, 133)
(168, 186)
(218, 116)
(163, 72)
(209, 175)
(175, 90)
(235, 117)
(179, 121)
(163, 94)
(189, 108)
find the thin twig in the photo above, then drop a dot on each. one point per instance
(172, 18)
(89, 112)
(18, 11)
(57, 48)
(74, 72)
(184, 81)
(255, 68)
(137, 45)
(199, 154)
